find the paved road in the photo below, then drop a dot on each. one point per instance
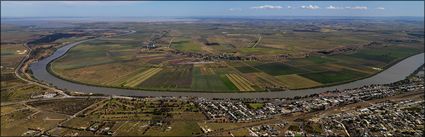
(395, 73)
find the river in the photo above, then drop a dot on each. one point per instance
(394, 73)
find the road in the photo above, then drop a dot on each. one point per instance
(258, 41)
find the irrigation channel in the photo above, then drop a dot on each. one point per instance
(397, 72)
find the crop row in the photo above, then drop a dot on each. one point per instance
(136, 80)
(241, 83)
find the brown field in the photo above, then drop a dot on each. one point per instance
(11, 54)
(12, 108)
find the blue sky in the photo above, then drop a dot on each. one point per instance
(209, 8)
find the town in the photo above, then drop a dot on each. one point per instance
(232, 110)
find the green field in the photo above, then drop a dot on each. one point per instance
(207, 82)
(186, 46)
(328, 77)
(179, 77)
(279, 69)
(247, 69)
(295, 81)
(386, 55)
(255, 105)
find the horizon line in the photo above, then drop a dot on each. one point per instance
(191, 16)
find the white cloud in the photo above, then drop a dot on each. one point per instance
(357, 8)
(330, 7)
(380, 8)
(235, 9)
(310, 7)
(267, 7)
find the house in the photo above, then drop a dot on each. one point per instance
(151, 45)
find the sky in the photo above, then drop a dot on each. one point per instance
(209, 8)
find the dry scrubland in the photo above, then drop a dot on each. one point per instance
(121, 117)
(90, 116)
(42, 42)
(289, 56)
(12, 52)
(15, 118)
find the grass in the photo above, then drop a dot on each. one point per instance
(329, 77)
(186, 46)
(295, 81)
(255, 105)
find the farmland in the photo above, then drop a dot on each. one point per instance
(139, 78)
(241, 56)
(241, 83)
(12, 52)
(295, 81)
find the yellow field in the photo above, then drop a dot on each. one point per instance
(139, 78)
(295, 81)
(207, 71)
(119, 80)
(241, 83)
